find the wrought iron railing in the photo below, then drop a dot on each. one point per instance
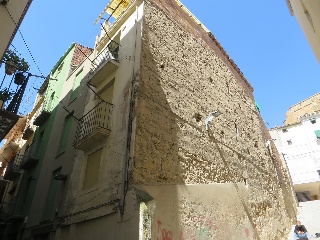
(32, 153)
(14, 164)
(97, 118)
(109, 53)
(45, 107)
(44, 111)
(13, 207)
(14, 104)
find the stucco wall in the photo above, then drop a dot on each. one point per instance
(183, 76)
(307, 14)
(101, 201)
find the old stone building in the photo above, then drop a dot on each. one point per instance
(306, 107)
(169, 144)
(156, 172)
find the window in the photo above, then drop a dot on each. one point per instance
(38, 144)
(76, 86)
(107, 92)
(289, 142)
(48, 211)
(27, 193)
(91, 176)
(64, 138)
(284, 130)
(317, 133)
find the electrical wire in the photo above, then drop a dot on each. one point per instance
(101, 191)
(24, 41)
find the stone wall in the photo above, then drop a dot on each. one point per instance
(184, 76)
(309, 105)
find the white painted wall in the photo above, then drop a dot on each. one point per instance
(303, 155)
(307, 13)
(113, 147)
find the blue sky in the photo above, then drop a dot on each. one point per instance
(263, 39)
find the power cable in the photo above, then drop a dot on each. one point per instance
(70, 113)
(24, 41)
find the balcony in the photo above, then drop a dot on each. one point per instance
(27, 133)
(94, 126)
(31, 156)
(43, 112)
(9, 110)
(13, 169)
(12, 211)
(104, 64)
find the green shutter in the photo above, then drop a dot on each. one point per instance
(76, 86)
(65, 134)
(257, 106)
(48, 211)
(317, 132)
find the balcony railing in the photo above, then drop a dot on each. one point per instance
(12, 210)
(94, 126)
(43, 112)
(31, 156)
(27, 132)
(9, 110)
(104, 64)
(13, 169)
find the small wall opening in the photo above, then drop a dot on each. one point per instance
(145, 221)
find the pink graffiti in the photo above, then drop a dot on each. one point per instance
(165, 234)
(159, 225)
(247, 232)
(208, 228)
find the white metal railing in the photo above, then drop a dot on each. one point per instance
(109, 53)
(97, 118)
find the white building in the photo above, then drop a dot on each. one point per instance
(299, 145)
(308, 16)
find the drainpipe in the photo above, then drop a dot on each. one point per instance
(130, 110)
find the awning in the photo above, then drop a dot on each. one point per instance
(115, 8)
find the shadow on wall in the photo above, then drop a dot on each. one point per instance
(156, 160)
(172, 151)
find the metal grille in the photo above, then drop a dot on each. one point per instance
(97, 118)
(109, 53)
(32, 152)
(14, 164)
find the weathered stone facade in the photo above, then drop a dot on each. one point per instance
(307, 106)
(155, 172)
(185, 75)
